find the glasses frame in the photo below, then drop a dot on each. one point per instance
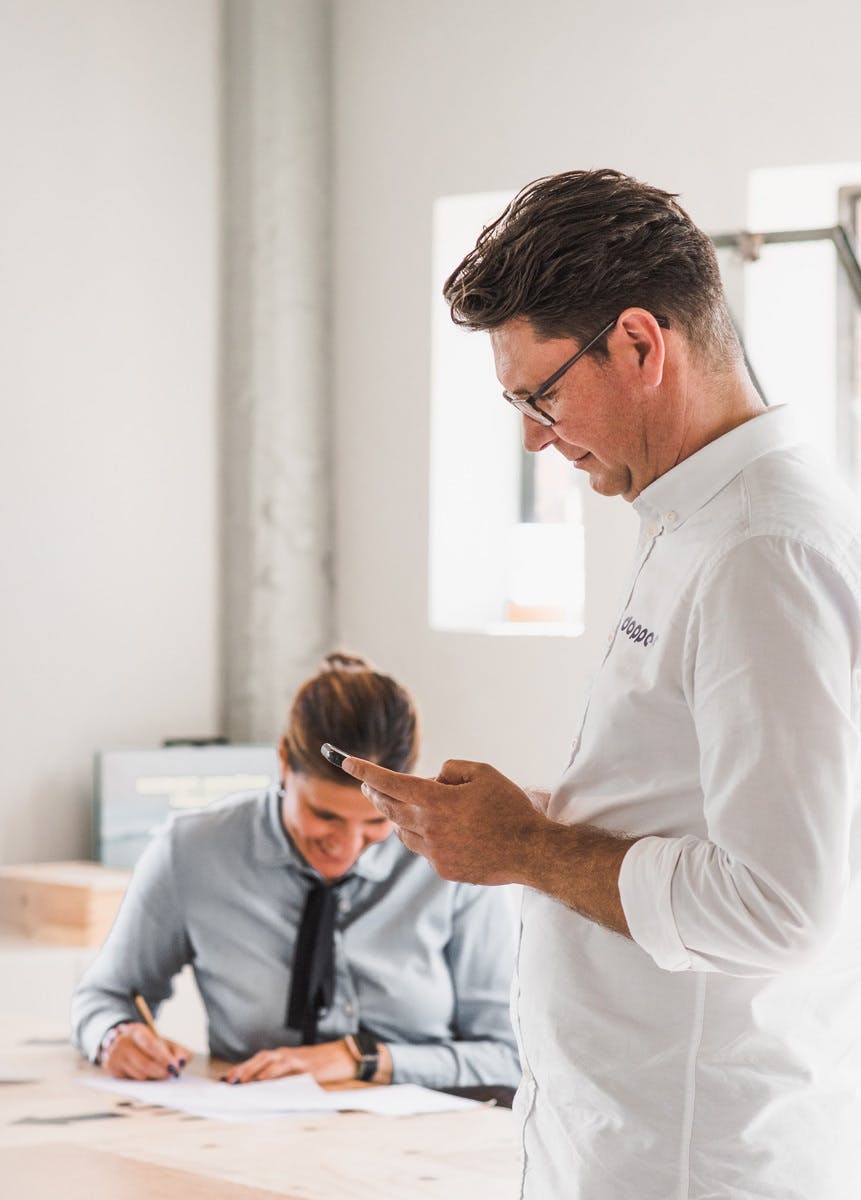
(527, 404)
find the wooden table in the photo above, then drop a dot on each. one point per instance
(58, 1139)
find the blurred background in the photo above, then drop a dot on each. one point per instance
(237, 426)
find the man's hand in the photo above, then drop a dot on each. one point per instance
(133, 1052)
(329, 1062)
(471, 822)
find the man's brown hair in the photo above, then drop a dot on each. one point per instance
(572, 251)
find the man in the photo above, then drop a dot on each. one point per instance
(688, 991)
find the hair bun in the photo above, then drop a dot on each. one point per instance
(351, 704)
(338, 661)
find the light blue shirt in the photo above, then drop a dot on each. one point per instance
(424, 963)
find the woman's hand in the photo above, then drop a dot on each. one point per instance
(131, 1051)
(329, 1062)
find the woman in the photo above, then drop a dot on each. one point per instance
(319, 943)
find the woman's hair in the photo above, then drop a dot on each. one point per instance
(573, 251)
(357, 709)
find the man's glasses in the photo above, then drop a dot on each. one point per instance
(528, 404)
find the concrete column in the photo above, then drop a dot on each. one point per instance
(277, 540)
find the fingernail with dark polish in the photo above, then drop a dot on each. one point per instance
(222, 1079)
(236, 1081)
(171, 1069)
(182, 1062)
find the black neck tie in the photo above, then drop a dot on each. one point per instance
(313, 986)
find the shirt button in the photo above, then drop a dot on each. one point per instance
(672, 517)
(344, 906)
(652, 530)
(348, 1010)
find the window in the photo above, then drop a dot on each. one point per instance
(506, 527)
(796, 303)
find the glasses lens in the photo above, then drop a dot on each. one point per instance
(527, 409)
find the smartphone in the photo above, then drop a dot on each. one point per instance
(332, 754)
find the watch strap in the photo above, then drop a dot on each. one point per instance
(365, 1050)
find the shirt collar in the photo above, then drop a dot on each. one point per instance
(273, 847)
(683, 490)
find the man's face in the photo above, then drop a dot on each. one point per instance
(597, 406)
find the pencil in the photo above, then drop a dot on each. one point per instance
(144, 1010)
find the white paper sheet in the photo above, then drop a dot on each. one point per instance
(400, 1100)
(292, 1095)
(222, 1101)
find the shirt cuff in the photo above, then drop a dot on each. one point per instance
(645, 882)
(97, 1028)
(430, 1065)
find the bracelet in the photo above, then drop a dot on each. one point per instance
(109, 1039)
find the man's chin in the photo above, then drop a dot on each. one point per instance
(610, 483)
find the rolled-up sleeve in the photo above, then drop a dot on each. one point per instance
(146, 947)
(772, 683)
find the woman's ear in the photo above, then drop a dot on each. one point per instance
(285, 766)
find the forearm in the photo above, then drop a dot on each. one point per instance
(578, 865)
(146, 947)
(93, 1014)
(455, 1063)
(104, 997)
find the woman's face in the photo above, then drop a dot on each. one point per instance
(331, 824)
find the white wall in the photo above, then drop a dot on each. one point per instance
(108, 352)
(474, 95)
(109, 333)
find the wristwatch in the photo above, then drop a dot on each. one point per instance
(366, 1051)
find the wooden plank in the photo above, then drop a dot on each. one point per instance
(64, 903)
(78, 1173)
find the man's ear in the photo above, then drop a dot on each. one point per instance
(641, 341)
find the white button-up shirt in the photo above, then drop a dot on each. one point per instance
(716, 1055)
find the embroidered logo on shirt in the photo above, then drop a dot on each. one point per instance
(637, 632)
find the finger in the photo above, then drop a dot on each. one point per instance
(126, 1060)
(154, 1047)
(458, 770)
(181, 1054)
(414, 842)
(133, 1063)
(275, 1070)
(406, 816)
(244, 1072)
(409, 789)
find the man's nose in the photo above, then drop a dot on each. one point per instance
(536, 436)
